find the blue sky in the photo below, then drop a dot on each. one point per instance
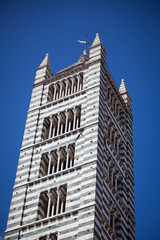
(130, 33)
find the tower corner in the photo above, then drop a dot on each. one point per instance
(44, 70)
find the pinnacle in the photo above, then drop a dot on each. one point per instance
(45, 62)
(122, 88)
(96, 40)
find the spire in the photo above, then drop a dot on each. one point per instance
(45, 62)
(122, 88)
(125, 95)
(96, 41)
(44, 70)
(97, 51)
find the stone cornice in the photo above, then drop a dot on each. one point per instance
(53, 174)
(34, 223)
(57, 137)
(64, 73)
(64, 98)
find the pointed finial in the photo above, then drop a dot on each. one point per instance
(96, 40)
(125, 95)
(122, 88)
(45, 61)
(85, 52)
(84, 57)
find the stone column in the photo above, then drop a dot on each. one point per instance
(62, 203)
(53, 132)
(110, 96)
(67, 160)
(69, 89)
(59, 159)
(78, 118)
(111, 130)
(61, 130)
(55, 90)
(50, 127)
(59, 120)
(118, 111)
(112, 172)
(77, 122)
(72, 86)
(62, 164)
(49, 204)
(58, 200)
(66, 125)
(66, 90)
(74, 118)
(113, 226)
(75, 85)
(108, 170)
(50, 161)
(114, 140)
(60, 91)
(54, 200)
(116, 177)
(72, 161)
(69, 126)
(118, 142)
(47, 237)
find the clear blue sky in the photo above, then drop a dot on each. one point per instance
(130, 33)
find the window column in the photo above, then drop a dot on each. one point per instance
(72, 86)
(59, 159)
(74, 117)
(111, 130)
(55, 90)
(116, 180)
(50, 126)
(66, 89)
(113, 222)
(59, 121)
(58, 201)
(78, 82)
(114, 139)
(50, 162)
(112, 173)
(67, 159)
(60, 91)
(66, 124)
(110, 96)
(118, 143)
(49, 205)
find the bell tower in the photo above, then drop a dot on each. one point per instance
(75, 173)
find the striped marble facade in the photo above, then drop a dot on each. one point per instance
(75, 173)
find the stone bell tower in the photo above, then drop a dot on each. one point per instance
(75, 173)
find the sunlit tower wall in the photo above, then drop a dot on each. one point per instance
(75, 173)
